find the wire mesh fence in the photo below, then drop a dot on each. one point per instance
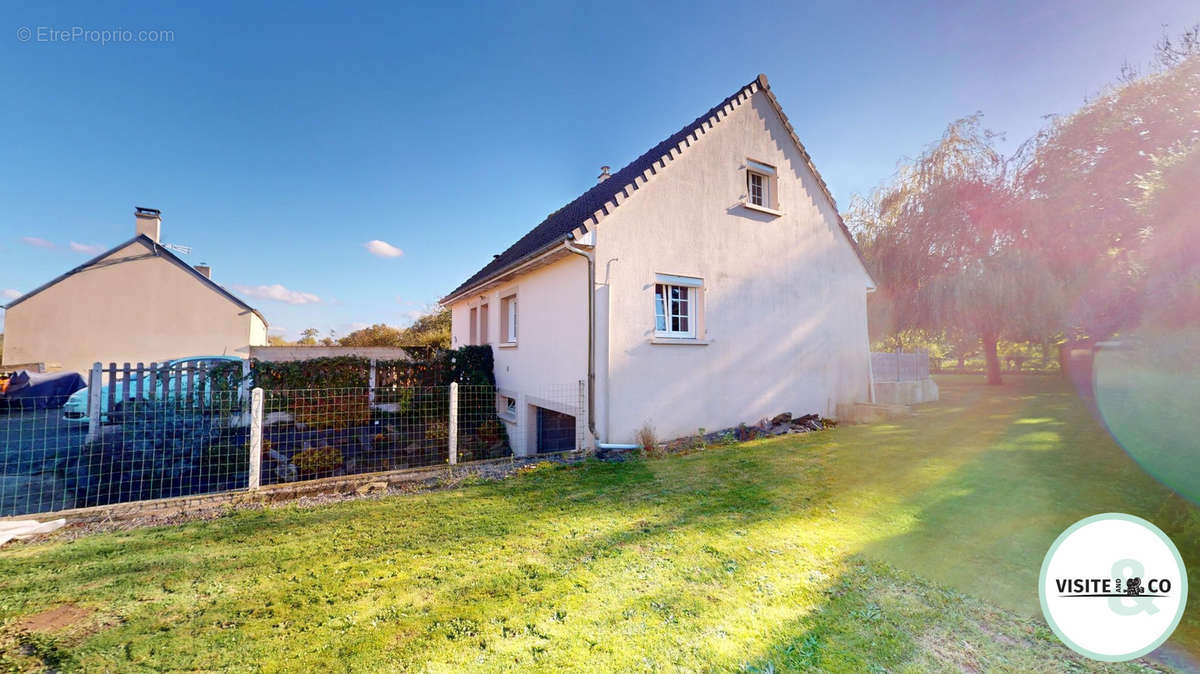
(147, 449)
(51, 458)
(315, 433)
(204, 443)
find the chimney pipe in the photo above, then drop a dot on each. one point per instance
(204, 270)
(603, 175)
(147, 221)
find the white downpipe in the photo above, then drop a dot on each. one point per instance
(591, 364)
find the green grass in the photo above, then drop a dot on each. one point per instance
(907, 546)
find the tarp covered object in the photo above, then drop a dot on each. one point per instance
(33, 391)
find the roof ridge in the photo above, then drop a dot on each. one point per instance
(595, 203)
(575, 218)
(156, 248)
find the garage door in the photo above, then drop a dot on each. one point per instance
(555, 431)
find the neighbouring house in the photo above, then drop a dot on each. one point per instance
(135, 302)
(710, 282)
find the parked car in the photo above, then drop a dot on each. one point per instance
(76, 407)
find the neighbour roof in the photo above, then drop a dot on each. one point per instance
(157, 250)
(605, 196)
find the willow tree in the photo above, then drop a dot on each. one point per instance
(1091, 181)
(947, 243)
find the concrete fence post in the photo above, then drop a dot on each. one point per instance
(256, 444)
(371, 385)
(582, 419)
(95, 382)
(452, 431)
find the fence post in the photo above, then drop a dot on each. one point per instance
(582, 420)
(95, 383)
(371, 385)
(453, 430)
(899, 350)
(256, 429)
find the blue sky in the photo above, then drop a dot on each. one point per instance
(279, 142)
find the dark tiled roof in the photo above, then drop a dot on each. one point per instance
(561, 222)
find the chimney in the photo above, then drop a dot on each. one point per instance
(147, 221)
(603, 175)
(205, 270)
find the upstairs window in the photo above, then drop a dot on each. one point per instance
(508, 319)
(676, 306)
(761, 185)
(759, 188)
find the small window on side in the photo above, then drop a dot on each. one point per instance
(761, 185)
(759, 188)
(508, 319)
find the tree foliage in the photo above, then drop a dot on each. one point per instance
(375, 335)
(1086, 230)
(1096, 189)
(431, 330)
(948, 245)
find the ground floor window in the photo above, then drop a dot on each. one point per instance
(676, 306)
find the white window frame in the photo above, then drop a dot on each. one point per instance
(758, 183)
(768, 187)
(509, 319)
(506, 404)
(668, 293)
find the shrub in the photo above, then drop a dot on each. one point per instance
(647, 439)
(318, 460)
(437, 430)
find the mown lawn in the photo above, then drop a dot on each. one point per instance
(907, 546)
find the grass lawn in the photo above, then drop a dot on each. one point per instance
(907, 546)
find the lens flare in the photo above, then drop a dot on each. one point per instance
(1147, 389)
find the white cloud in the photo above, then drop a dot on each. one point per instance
(382, 249)
(37, 242)
(10, 293)
(88, 248)
(278, 293)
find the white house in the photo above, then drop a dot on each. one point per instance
(135, 302)
(708, 283)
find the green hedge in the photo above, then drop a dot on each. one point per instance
(470, 365)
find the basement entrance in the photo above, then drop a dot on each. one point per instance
(555, 431)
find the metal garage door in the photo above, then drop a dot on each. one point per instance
(555, 431)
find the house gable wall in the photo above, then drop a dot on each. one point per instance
(784, 296)
(129, 306)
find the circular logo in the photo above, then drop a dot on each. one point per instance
(1113, 587)
(24, 33)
